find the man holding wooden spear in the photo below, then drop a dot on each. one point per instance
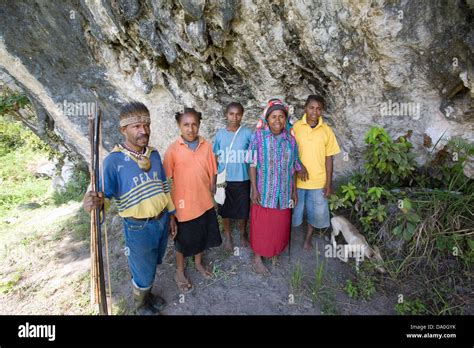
(134, 176)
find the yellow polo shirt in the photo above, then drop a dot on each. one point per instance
(314, 145)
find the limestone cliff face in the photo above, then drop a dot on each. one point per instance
(400, 64)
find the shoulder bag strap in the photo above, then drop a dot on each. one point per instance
(230, 148)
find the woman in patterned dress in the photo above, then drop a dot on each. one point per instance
(273, 157)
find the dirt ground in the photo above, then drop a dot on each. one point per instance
(45, 270)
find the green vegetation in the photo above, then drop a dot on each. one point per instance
(19, 147)
(297, 277)
(190, 262)
(317, 288)
(20, 151)
(121, 308)
(387, 162)
(362, 288)
(8, 286)
(320, 289)
(74, 190)
(422, 218)
(328, 304)
(77, 226)
(411, 307)
(24, 232)
(11, 101)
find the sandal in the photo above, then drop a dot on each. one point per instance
(184, 286)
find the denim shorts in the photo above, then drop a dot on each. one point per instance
(316, 207)
(146, 242)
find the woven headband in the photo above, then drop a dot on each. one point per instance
(142, 118)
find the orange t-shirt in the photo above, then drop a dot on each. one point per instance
(192, 173)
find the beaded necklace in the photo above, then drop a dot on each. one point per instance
(142, 159)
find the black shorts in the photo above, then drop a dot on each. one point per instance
(199, 234)
(237, 201)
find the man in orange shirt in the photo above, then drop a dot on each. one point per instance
(190, 162)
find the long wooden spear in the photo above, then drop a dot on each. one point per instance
(98, 292)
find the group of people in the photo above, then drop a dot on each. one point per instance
(274, 175)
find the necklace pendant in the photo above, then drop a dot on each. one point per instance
(144, 163)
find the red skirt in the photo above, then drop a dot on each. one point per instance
(269, 230)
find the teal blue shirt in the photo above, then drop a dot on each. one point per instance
(237, 168)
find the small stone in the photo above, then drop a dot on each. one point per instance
(10, 220)
(45, 170)
(29, 206)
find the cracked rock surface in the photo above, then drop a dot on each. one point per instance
(399, 64)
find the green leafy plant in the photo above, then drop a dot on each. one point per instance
(411, 307)
(369, 204)
(12, 101)
(362, 288)
(349, 191)
(387, 161)
(351, 289)
(407, 221)
(422, 218)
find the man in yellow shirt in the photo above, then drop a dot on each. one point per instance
(316, 146)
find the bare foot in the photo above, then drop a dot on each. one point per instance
(228, 244)
(308, 245)
(203, 270)
(182, 282)
(259, 268)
